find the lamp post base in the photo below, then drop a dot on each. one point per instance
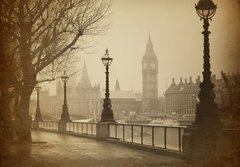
(65, 115)
(103, 130)
(38, 116)
(200, 144)
(35, 124)
(62, 126)
(107, 116)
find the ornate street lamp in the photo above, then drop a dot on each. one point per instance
(65, 114)
(38, 116)
(200, 138)
(107, 113)
(207, 111)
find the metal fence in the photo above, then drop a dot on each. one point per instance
(166, 137)
(81, 128)
(48, 125)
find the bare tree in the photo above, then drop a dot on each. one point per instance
(45, 31)
(8, 77)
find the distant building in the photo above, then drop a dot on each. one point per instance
(149, 79)
(89, 96)
(83, 99)
(50, 106)
(123, 101)
(72, 97)
(181, 99)
(71, 87)
(161, 106)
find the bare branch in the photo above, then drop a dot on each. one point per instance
(44, 32)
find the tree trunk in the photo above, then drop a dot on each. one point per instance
(16, 101)
(6, 131)
(5, 115)
(23, 119)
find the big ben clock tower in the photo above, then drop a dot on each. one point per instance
(150, 79)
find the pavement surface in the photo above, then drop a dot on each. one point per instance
(60, 150)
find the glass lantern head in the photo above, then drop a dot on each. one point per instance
(106, 59)
(205, 9)
(64, 77)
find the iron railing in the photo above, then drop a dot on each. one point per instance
(48, 125)
(81, 128)
(166, 137)
(163, 137)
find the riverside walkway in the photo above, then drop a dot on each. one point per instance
(61, 150)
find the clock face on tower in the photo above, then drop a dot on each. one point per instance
(153, 65)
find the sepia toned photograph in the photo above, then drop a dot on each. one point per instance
(119, 83)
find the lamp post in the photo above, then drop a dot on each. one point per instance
(38, 116)
(207, 111)
(200, 138)
(107, 113)
(65, 114)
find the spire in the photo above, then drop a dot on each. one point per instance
(117, 87)
(181, 81)
(149, 43)
(190, 80)
(85, 81)
(173, 82)
(84, 72)
(149, 48)
(198, 80)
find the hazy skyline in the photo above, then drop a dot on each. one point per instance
(175, 31)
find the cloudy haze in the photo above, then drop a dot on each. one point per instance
(175, 30)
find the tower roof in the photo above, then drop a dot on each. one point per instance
(84, 72)
(84, 81)
(117, 87)
(149, 49)
(149, 43)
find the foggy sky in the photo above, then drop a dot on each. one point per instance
(175, 31)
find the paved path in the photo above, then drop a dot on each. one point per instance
(59, 150)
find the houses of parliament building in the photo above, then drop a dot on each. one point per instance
(180, 98)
